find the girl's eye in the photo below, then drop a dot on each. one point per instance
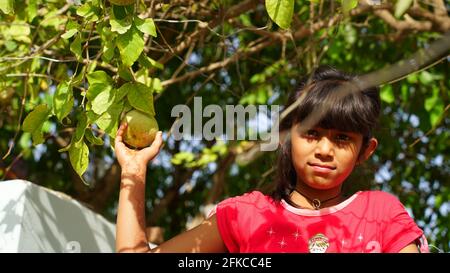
(312, 133)
(343, 138)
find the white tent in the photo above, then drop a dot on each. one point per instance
(36, 219)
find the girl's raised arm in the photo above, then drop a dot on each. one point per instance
(130, 228)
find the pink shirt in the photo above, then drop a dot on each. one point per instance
(368, 221)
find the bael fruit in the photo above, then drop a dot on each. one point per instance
(122, 2)
(141, 130)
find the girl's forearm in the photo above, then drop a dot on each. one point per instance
(130, 228)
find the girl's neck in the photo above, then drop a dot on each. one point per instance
(310, 198)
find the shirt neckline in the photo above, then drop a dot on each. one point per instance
(320, 212)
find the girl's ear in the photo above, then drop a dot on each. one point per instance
(371, 146)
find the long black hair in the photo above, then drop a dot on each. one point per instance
(356, 112)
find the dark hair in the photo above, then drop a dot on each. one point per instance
(354, 112)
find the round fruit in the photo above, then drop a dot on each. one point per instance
(141, 130)
(122, 2)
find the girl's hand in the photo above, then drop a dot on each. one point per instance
(135, 161)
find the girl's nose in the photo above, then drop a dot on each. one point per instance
(325, 147)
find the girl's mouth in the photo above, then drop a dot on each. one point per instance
(322, 168)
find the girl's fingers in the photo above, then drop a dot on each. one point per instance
(120, 131)
(153, 150)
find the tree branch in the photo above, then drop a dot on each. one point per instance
(231, 12)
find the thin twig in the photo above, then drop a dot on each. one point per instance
(11, 145)
(432, 129)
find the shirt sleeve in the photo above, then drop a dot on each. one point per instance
(227, 215)
(400, 230)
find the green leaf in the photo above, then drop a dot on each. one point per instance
(75, 46)
(348, 5)
(148, 62)
(109, 121)
(88, 11)
(280, 11)
(77, 79)
(130, 46)
(92, 138)
(18, 31)
(100, 77)
(95, 89)
(156, 85)
(387, 94)
(25, 141)
(38, 137)
(10, 45)
(119, 12)
(436, 113)
(69, 33)
(182, 158)
(79, 157)
(72, 25)
(32, 9)
(123, 91)
(120, 26)
(81, 126)
(141, 97)
(34, 121)
(108, 50)
(103, 101)
(412, 78)
(401, 7)
(7, 6)
(431, 101)
(63, 101)
(35, 118)
(146, 26)
(91, 116)
(426, 77)
(405, 92)
(124, 73)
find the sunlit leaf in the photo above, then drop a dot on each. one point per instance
(348, 5)
(63, 101)
(146, 26)
(75, 46)
(34, 121)
(401, 7)
(103, 101)
(280, 11)
(140, 97)
(7, 6)
(79, 157)
(130, 46)
(387, 94)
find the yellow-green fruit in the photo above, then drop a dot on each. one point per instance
(141, 130)
(122, 2)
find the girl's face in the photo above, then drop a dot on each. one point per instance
(324, 158)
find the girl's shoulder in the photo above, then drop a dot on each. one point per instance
(378, 195)
(380, 200)
(253, 198)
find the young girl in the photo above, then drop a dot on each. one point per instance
(307, 212)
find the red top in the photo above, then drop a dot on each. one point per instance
(368, 221)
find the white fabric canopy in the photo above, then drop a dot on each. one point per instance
(36, 219)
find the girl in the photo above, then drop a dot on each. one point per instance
(307, 212)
